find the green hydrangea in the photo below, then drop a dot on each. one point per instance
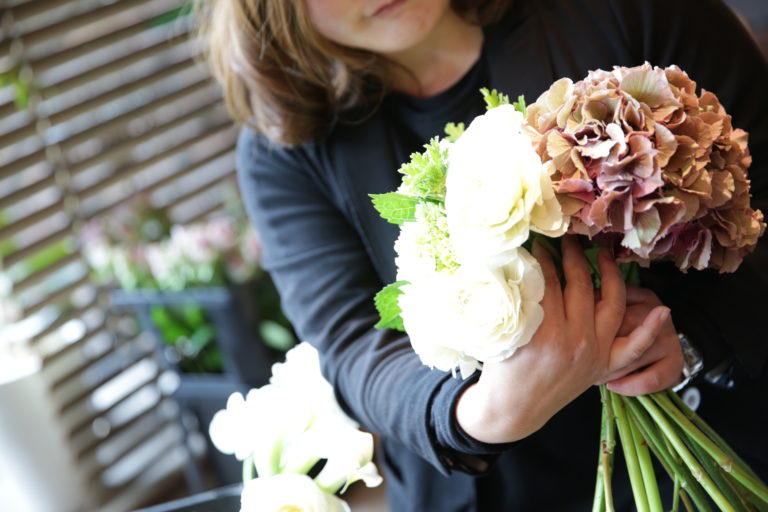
(436, 243)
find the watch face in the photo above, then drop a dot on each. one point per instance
(693, 361)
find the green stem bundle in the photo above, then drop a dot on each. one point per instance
(705, 470)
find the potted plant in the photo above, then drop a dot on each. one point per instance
(199, 290)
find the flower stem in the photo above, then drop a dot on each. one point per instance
(714, 471)
(710, 432)
(607, 445)
(630, 454)
(248, 469)
(668, 458)
(646, 468)
(698, 473)
(676, 494)
(598, 502)
(729, 464)
(603, 491)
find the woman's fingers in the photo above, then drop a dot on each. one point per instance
(637, 295)
(628, 349)
(662, 374)
(579, 288)
(658, 351)
(553, 295)
(609, 311)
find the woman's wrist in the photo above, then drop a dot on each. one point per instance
(478, 416)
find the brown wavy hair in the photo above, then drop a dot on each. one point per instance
(284, 79)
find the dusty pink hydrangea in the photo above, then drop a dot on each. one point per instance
(648, 167)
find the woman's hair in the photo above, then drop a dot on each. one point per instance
(284, 79)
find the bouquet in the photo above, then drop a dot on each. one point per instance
(633, 159)
(283, 430)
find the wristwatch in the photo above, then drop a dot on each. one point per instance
(693, 362)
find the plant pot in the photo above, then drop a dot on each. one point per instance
(203, 396)
(226, 499)
(247, 360)
(36, 471)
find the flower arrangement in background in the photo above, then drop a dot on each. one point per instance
(138, 247)
(284, 430)
(634, 160)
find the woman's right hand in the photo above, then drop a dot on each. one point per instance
(575, 347)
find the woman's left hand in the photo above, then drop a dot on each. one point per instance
(661, 365)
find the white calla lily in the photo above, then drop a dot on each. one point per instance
(288, 493)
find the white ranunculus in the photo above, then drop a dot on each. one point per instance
(430, 315)
(288, 493)
(500, 308)
(478, 314)
(498, 189)
(412, 260)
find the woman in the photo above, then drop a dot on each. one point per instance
(337, 93)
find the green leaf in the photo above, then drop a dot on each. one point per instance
(591, 255)
(520, 105)
(172, 15)
(389, 309)
(454, 131)
(394, 207)
(276, 336)
(424, 175)
(493, 98)
(630, 271)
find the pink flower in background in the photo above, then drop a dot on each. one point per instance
(221, 233)
(192, 241)
(649, 168)
(219, 250)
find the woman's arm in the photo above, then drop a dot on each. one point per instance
(327, 282)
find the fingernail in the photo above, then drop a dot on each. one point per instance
(664, 315)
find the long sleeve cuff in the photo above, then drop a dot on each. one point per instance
(456, 449)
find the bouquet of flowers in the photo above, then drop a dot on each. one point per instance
(283, 430)
(634, 160)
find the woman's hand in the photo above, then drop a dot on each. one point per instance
(659, 367)
(578, 344)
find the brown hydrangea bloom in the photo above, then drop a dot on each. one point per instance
(646, 166)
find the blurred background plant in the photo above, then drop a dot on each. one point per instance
(138, 247)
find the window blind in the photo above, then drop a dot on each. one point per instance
(100, 101)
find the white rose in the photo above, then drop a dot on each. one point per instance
(477, 314)
(498, 189)
(288, 492)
